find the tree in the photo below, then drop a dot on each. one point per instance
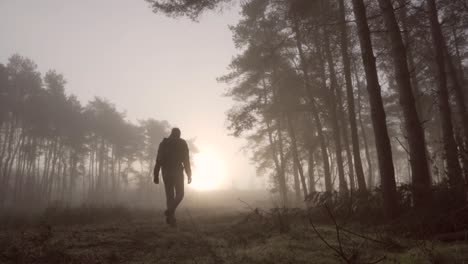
(415, 133)
(382, 141)
(350, 99)
(188, 8)
(50, 143)
(450, 147)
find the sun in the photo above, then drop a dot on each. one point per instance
(209, 170)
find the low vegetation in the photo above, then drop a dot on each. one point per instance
(120, 235)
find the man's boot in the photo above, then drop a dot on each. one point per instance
(172, 221)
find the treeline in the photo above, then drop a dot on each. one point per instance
(350, 95)
(53, 149)
(335, 103)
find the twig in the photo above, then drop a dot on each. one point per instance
(403, 146)
(337, 227)
(248, 205)
(339, 251)
(325, 241)
(363, 236)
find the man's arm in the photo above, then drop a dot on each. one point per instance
(186, 162)
(157, 167)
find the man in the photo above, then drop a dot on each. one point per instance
(173, 159)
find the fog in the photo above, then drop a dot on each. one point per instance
(225, 131)
(149, 66)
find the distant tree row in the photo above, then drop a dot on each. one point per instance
(52, 148)
(350, 95)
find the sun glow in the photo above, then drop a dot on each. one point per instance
(209, 170)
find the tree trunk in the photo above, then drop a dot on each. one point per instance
(311, 171)
(314, 110)
(350, 99)
(297, 186)
(279, 171)
(332, 103)
(344, 133)
(450, 148)
(421, 177)
(382, 141)
(100, 181)
(274, 151)
(296, 160)
(370, 176)
(409, 53)
(282, 183)
(458, 83)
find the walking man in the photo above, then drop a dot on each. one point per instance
(172, 160)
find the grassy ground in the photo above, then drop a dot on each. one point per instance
(89, 235)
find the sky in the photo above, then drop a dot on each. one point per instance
(148, 65)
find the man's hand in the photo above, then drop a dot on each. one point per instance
(156, 173)
(189, 179)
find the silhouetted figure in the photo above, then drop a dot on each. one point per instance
(173, 158)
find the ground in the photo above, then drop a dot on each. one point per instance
(203, 236)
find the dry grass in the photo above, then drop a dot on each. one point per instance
(116, 235)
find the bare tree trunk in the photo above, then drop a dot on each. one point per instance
(421, 177)
(48, 150)
(279, 165)
(71, 183)
(19, 172)
(311, 171)
(413, 74)
(344, 134)
(350, 99)
(4, 148)
(64, 176)
(370, 176)
(314, 110)
(450, 148)
(458, 82)
(52, 176)
(119, 173)
(8, 150)
(384, 150)
(100, 181)
(296, 159)
(282, 183)
(297, 186)
(332, 103)
(323, 150)
(90, 173)
(12, 153)
(279, 168)
(410, 57)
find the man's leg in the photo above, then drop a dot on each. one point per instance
(179, 190)
(170, 196)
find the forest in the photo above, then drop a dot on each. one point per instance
(330, 105)
(54, 150)
(355, 111)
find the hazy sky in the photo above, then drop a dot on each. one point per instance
(148, 65)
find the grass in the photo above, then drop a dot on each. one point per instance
(118, 235)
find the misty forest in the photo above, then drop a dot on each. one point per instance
(352, 112)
